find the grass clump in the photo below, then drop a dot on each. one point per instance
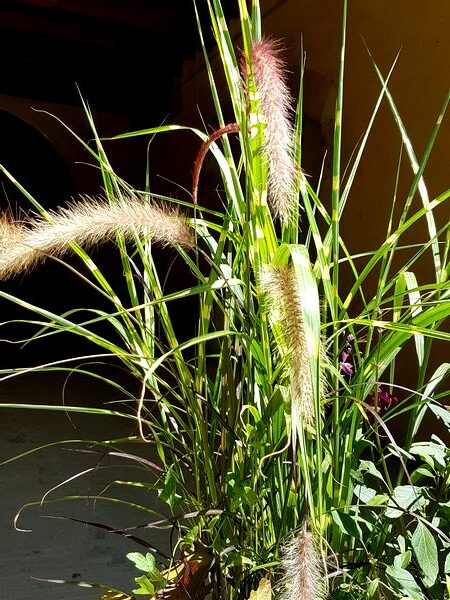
(270, 426)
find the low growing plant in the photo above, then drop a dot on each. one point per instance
(268, 430)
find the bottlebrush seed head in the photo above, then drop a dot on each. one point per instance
(275, 103)
(302, 568)
(283, 298)
(86, 223)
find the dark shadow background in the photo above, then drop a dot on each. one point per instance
(127, 63)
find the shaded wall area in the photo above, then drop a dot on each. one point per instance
(47, 160)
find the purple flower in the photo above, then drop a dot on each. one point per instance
(345, 366)
(383, 400)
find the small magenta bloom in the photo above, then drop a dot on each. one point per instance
(382, 399)
(346, 367)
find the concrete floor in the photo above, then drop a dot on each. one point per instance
(56, 548)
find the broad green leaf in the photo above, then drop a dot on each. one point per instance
(430, 453)
(447, 564)
(378, 500)
(417, 474)
(364, 493)
(402, 560)
(145, 586)
(367, 466)
(347, 523)
(167, 493)
(426, 553)
(403, 582)
(404, 498)
(143, 563)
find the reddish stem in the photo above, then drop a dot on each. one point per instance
(230, 128)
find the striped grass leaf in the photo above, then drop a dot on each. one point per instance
(336, 168)
(109, 593)
(390, 345)
(227, 54)
(65, 324)
(418, 169)
(408, 282)
(246, 26)
(363, 143)
(238, 196)
(256, 21)
(389, 242)
(387, 262)
(335, 209)
(436, 379)
(309, 307)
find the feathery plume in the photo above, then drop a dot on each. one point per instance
(86, 223)
(302, 568)
(285, 304)
(10, 232)
(275, 104)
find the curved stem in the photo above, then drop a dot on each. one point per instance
(230, 128)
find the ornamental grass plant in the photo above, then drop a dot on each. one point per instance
(266, 434)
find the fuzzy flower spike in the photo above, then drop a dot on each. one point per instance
(302, 568)
(275, 105)
(87, 223)
(285, 305)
